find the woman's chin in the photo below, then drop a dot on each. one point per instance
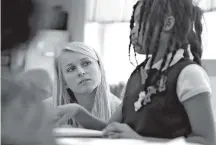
(87, 89)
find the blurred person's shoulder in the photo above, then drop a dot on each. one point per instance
(8, 86)
(115, 102)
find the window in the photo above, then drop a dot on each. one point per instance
(209, 32)
(115, 41)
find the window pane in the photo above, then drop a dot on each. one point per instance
(116, 41)
(208, 36)
(92, 35)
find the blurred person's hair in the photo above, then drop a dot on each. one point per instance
(19, 22)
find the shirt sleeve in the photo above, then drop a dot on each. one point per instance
(192, 80)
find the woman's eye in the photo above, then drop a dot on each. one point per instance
(70, 69)
(86, 63)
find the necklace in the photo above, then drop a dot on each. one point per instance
(145, 96)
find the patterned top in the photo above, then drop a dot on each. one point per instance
(164, 116)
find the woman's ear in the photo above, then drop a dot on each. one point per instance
(168, 23)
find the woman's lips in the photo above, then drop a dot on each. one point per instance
(84, 81)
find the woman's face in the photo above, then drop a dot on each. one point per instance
(81, 73)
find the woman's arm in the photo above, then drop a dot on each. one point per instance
(193, 90)
(201, 119)
(87, 120)
(121, 130)
(200, 115)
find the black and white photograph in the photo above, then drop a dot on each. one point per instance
(108, 72)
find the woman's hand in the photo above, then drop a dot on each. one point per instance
(65, 112)
(119, 130)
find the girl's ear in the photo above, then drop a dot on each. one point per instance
(169, 22)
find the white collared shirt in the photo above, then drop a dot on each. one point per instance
(179, 55)
(192, 80)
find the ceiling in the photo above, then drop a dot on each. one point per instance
(108, 11)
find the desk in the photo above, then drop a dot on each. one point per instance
(78, 136)
(97, 141)
(101, 141)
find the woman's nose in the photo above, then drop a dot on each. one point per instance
(81, 72)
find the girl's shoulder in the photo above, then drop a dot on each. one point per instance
(192, 80)
(193, 71)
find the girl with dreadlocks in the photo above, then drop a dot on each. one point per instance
(163, 93)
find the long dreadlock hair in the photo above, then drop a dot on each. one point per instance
(131, 27)
(186, 30)
(194, 37)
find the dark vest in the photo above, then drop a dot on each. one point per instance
(165, 116)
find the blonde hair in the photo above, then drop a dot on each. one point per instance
(102, 103)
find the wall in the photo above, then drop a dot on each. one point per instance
(47, 41)
(77, 16)
(213, 99)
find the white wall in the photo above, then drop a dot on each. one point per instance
(46, 41)
(210, 66)
(76, 16)
(213, 100)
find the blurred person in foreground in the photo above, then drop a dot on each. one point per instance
(23, 119)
